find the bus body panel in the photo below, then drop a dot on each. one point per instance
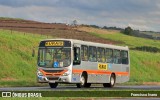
(95, 75)
(102, 76)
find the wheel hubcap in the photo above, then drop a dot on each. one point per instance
(82, 80)
(112, 80)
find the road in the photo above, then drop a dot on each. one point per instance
(74, 88)
(62, 90)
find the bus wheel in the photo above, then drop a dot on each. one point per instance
(111, 83)
(83, 81)
(88, 85)
(53, 85)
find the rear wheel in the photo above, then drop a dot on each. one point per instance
(53, 85)
(83, 81)
(111, 83)
(88, 85)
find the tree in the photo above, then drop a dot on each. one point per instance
(105, 27)
(128, 30)
(74, 23)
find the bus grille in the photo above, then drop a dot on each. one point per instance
(53, 78)
(53, 71)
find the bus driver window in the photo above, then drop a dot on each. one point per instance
(76, 60)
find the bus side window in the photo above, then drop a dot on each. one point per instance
(92, 54)
(116, 57)
(100, 55)
(77, 59)
(109, 55)
(84, 53)
(103, 55)
(124, 57)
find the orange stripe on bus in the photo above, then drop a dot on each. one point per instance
(52, 74)
(99, 72)
(122, 73)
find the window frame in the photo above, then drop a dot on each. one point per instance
(117, 60)
(94, 49)
(77, 56)
(101, 55)
(83, 52)
(111, 56)
(127, 62)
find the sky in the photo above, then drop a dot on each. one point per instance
(141, 15)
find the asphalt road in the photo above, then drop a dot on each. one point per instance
(74, 88)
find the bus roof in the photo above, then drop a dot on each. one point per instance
(81, 42)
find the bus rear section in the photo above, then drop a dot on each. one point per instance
(100, 63)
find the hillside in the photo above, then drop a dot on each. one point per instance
(18, 67)
(51, 29)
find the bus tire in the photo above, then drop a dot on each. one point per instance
(111, 83)
(53, 85)
(83, 81)
(88, 85)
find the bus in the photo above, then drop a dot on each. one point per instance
(82, 63)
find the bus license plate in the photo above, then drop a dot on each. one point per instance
(51, 81)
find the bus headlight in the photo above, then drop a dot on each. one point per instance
(67, 73)
(39, 73)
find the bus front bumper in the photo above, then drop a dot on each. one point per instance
(51, 79)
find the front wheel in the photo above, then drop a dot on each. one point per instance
(53, 85)
(111, 83)
(83, 81)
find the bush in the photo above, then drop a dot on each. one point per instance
(128, 30)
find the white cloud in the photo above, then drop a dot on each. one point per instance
(140, 14)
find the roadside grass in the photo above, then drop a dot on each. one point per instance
(43, 98)
(145, 66)
(17, 65)
(55, 98)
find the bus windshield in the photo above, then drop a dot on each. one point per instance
(54, 57)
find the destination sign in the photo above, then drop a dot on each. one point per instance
(54, 43)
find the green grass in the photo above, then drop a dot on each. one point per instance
(8, 18)
(145, 66)
(17, 65)
(154, 34)
(43, 98)
(130, 41)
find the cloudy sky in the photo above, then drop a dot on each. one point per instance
(139, 14)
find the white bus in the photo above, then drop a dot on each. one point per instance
(82, 63)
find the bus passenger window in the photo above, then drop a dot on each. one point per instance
(101, 55)
(124, 57)
(116, 57)
(109, 55)
(92, 54)
(84, 53)
(77, 59)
